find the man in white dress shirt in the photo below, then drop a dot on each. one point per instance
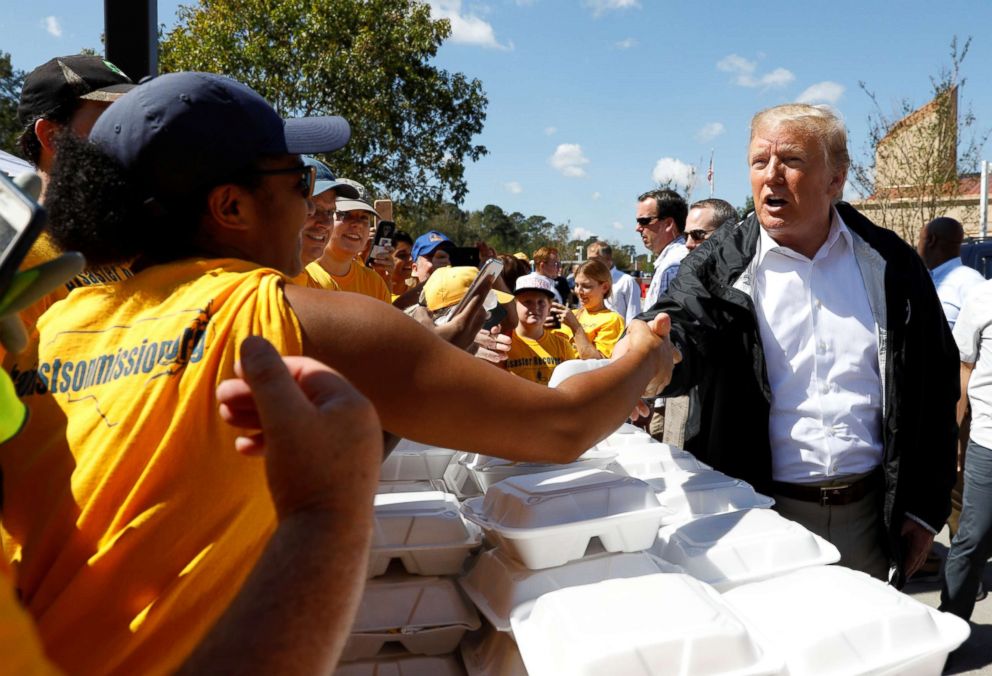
(661, 224)
(626, 297)
(940, 248)
(827, 375)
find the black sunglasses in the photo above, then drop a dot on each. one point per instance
(308, 176)
(645, 220)
(699, 235)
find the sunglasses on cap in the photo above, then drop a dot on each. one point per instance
(699, 235)
(308, 176)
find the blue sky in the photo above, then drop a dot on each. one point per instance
(590, 101)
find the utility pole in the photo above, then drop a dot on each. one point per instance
(983, 204)
(131, 30)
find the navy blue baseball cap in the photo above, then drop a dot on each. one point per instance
(327, 181)
(429, 242)
(180, 133)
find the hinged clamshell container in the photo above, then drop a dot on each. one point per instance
(487, 470)
(548, 519)
(730, 549)
(411, 461)
(836, 621)
(425, 530)
(651, 460)
(690, 495)
(497, 584)
(424, 615)
(639, 626)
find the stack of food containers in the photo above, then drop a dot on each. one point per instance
(413, 615)
(636, 559)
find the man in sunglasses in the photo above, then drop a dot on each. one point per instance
(661, 225)
(705, 216)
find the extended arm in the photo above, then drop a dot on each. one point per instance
(466, 397)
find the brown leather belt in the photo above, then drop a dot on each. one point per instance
(830, 495)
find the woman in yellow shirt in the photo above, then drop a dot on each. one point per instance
(593, 328)
(129, 522)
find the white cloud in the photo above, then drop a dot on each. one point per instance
(745, 73)
(710, 131)
(582, 233)
(626, 43)
(675, 172)
(600, 7)
(617, 225)
(52, 26)
(550, 131)
(596, 195)
(513, 187)
(466, 29)
(822, 92)
(569, 160)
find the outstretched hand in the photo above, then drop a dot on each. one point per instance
(321, 438)
(654, 336)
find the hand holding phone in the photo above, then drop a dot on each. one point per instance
(487, 275)
(382, 242)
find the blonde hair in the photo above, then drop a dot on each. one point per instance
(598, 272)
(821, 122)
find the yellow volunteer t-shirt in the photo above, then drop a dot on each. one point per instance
(130, 518)
(536, 359)
(602, 328)
(305, 279)
(359, 279)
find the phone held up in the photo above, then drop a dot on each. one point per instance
(21, 221)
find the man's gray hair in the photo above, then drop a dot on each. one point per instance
(723, 211)
(822, 122)
(600, 248)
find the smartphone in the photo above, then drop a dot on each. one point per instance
(21, 221)
(382, 240)
(384, 208)
(462, 256)
(489, 272)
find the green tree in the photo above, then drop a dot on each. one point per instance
(748, 207)
(11, 81)
(367, 60)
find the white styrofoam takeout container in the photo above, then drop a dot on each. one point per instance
(651, 460)
(426, 615)
(409, 486)
(459, 480)
(491, 653)
(497, 584)
(487, 470)
(425, 530)
(411, 461)
(403, 665)
(833, 620)
(548, 519)
(654, 624)
(690, 495)
(727, 550)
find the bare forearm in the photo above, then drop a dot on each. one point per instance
(584, 346)
(312, 573)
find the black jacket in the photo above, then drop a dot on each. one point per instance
(715, 327)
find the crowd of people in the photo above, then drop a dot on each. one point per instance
(234, 305)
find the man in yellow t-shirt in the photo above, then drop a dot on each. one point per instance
(534, 352)
(317, 229)
(350, 219)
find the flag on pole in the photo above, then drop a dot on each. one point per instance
(709, 174)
